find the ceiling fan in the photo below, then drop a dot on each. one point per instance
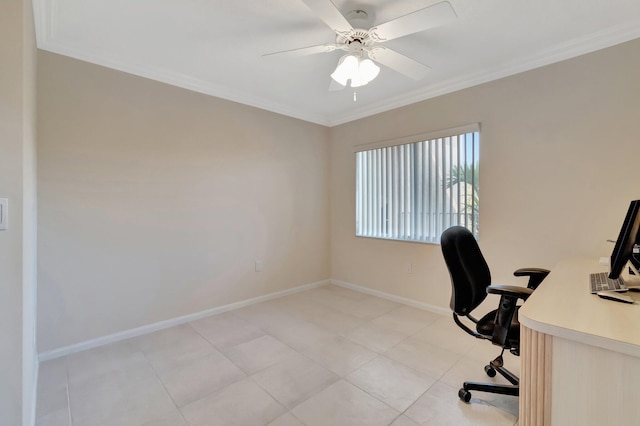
(357, 67)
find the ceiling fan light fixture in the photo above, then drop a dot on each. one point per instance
(359, 71)
(346, 69)
(367, 71)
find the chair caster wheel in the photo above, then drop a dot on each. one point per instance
(491, 372)
(464, 395)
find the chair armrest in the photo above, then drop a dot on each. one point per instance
(509, 295)
(510, 291)
(536, 276)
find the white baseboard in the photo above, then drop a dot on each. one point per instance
(420, 305)
(134, 332)
(139, 331)
(29, 408)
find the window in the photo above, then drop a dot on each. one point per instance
(414, 188)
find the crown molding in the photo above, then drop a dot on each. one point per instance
(561, 52)
(182, 80)
(45, 36)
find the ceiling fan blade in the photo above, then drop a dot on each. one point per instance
(398, 62)
(304, 51)
(420, 20)
(329, 13)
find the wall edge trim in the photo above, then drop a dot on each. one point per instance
(399, 299)
(161, 325)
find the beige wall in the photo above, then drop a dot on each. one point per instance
(554, 141)
(155, 202)
(18, 362)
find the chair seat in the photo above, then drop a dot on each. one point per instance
(486, 325)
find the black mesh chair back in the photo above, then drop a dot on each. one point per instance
(469, 272)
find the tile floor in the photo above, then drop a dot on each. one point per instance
(326, 356)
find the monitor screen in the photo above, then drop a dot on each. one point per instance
(623, 250)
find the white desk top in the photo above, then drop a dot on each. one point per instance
(563, 306)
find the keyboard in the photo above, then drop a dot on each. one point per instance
(600, 282)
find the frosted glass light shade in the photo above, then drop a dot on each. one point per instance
(367, 71)
(359, 71)
(346, 69)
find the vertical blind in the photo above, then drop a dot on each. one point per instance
(414, 191)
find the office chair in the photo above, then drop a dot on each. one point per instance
(471, 282)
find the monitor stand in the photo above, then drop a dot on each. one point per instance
(631, 277)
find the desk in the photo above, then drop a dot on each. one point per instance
(580, 354)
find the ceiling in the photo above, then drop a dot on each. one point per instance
(216, 47)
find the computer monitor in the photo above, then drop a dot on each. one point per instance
(629, 236)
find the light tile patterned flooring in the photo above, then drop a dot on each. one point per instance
(326, 356)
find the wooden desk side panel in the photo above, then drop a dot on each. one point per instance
(535, 378)
(594, 386)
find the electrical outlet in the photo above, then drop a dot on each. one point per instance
(409, 268)
(258, 266)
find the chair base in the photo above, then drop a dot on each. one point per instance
(494, 366)
(465, 394)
